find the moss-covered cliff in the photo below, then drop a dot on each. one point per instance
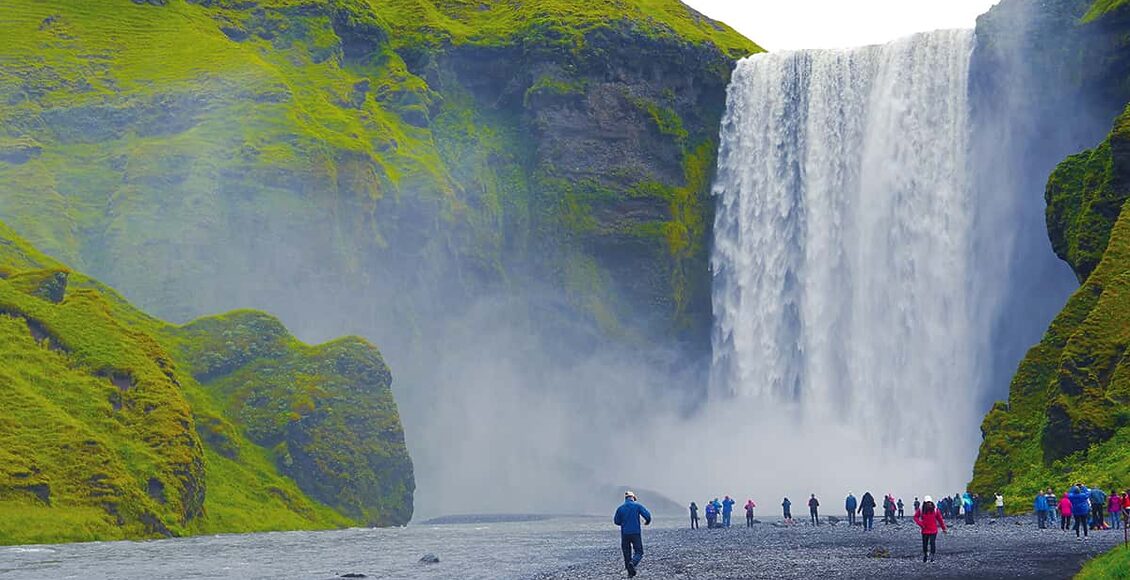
(205, 155)
(116, 425)
(1068, 413)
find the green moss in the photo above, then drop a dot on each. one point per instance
(556, 23)
(107, 434)
(1102, 8)
(1068, 414)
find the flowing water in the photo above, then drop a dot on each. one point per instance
(843, 262)
(487, 551)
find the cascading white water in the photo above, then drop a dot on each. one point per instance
(843, 292)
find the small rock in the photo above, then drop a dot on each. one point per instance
(353, 575)
(429, 559)
(879, 552)
(833, 520)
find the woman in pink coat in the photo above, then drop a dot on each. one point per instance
(1114, 507)
(929, 518)
(1064, 512)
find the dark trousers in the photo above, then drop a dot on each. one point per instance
(749, 520)
(694, 522)
(788, 514)
(1042, 519)
(1064, 522)
(1081, 522)
(901, 514)
(851, 518)
(628, 542)
(1000, 512)
(868, 520)
(929, 541)
(815, 516)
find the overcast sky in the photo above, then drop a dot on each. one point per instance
(790, 24)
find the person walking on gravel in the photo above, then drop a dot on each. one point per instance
(850, 504)
(631, 535)
(813, 510)
(749, 505)
(694, 516)
(787, 508)
(867, 508)
(900, 506)
(929, 519)
(1114, 507)
(1000, 505)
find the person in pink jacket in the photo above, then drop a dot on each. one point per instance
(1114, 507)
(929, 518)
(1064, 512)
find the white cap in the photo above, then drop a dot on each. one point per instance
(630, 494)
(928, 498)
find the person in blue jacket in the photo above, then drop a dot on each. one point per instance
(1098, 505)
(727, 511)
(1080, 498)
(850, 504)
(1041, 507)
(631, 535)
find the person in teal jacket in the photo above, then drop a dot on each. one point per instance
(631, 534)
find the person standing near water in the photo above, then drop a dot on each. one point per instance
(1000, 505)
(929, 519)
(968, 505)
(850, 504)
(813, 510)
(694, 516)
(900, 508)
(867, 508)
(749, 505)
(727, 511)
(631, 535)
(787, 506)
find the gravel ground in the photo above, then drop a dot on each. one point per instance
(1006, 548)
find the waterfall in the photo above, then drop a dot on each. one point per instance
(843, 285)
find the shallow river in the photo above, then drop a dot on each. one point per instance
(496, 550)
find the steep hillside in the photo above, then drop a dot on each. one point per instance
(425, 151)
(108, 434)
(1068, 413)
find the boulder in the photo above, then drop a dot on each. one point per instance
(429, 559)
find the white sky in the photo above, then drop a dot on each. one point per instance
(792, 24)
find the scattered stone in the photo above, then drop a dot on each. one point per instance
(429, 559)
(879, 552)
(833, 520)
(353, 575)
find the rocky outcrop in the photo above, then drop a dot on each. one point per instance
(108, 434)
(1068, 410)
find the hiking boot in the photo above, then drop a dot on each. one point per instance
(631, 571)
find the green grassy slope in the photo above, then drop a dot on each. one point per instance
(1068, 413)
(1114, 565)
(107, 434)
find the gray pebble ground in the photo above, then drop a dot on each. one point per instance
(1012, 547)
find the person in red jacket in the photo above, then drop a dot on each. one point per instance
(1064, 512)
(929, 518)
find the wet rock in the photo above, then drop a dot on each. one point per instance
(353, 575)
(833, 520)
(429, 559)
(879, 552)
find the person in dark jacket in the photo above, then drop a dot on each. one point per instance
(749, 505)
(1041, 508)
(694, 516)
(851, 504)
(1098, 505)
(711, 515)
(929, 519)
(813, 510)
(631, 535)
(1080, 498)
(900, 506)
(867, 508)
(787, 508)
